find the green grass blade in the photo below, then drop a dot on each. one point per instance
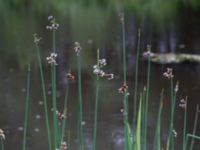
(195, 127)
(147, 98)
(43, 92)
(26, 109)
(138, 129)
(136, 81)
(65, 112)
(55, 118)
(80, 101)
(2, 144)
(185, 124)
(95, 114)
(157, 144)
(96, 107)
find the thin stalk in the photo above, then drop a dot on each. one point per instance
(185, 124)
(136, 79)
(54, 103)
(157, 144)
(2, 145)
(55, 119)
(143, 115)
(195, 127)
(147, 98)
(65, 112)
(192, 136)
(26, 109)
(44, 96)
(54, 41)
(96, 106)
(124, 49)
(80, 101)
(173, 102)
(95, 114)
(138, 129)
(125, 82)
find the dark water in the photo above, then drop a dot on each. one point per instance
(97, 30)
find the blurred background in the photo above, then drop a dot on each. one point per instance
(168, 26)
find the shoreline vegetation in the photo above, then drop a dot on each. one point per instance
(136, 132)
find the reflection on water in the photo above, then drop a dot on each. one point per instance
(94, 30)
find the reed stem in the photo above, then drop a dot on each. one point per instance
(185, 124)
(147, 98)
(26, 109)
(96, 107)
(44, 95)
(80, 101)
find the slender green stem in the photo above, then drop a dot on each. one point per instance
(54, 41)
(185, 124)
(138, 129)
(124, 50)
(147, 98)
(195, 127)
(44, 96)
(125, 82)
(65, 112)
(80, 101)
(173, 102)
(136, 79)
(26, 109)
(95, 114)
(55, 119)
(96, 107)
(157, 144)
(2, 145)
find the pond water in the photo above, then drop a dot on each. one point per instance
(94, 29)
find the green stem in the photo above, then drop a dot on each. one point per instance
(55, 119)
(26, 109)
(95, 114)
(2, 146)
(44, 96)
(147, 99)
(195, 127)
(173, 102)
(54, 41)
(65, 112)
(125, 80)
(136, 80)
(80, 101)
(185, 125)
(158, 124)
(96, 107)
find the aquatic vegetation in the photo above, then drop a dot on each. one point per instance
(135, 127)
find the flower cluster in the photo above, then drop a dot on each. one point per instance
(176, 87)
(63, 145)
(169, 73)
(148, 53)
(97, 69)
(61, 116)
(36, 39)
(77, 48)
(2, 135)
(52, 59)
(123, 89)
(174, 133)
(183, 103)
(53, 25)
(70, 76)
